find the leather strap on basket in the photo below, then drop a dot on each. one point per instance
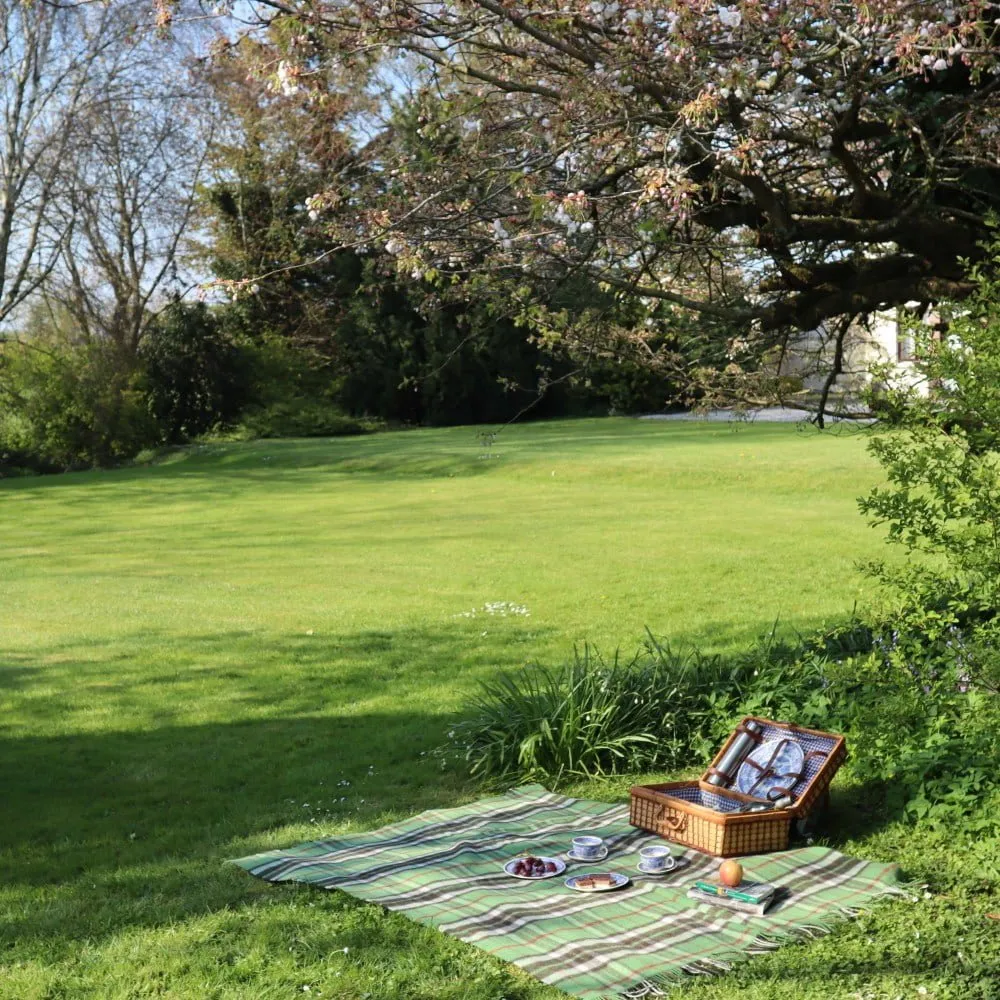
(673, 823)
(794, 777)
(756, 737)
(767, 770)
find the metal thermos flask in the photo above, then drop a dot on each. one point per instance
(735, 755)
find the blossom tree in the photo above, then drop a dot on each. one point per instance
(773, 164)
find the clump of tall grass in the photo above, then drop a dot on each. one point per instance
(591, 716)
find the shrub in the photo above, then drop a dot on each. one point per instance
(927, 737)
(196, 378)
(585, 719)
(663, 708)
(16, 455)
(73, 407)
(303, 418)
(940, 453)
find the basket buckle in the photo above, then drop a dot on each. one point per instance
(675, 824)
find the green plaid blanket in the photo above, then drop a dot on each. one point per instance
(444, 868)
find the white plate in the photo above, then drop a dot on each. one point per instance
(560, 867)
(593, 857)
(791, 760)
(620, 880)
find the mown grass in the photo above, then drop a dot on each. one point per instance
(245, 646)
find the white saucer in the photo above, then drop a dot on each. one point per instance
(678, 864)
(593, 857)
(656, 871)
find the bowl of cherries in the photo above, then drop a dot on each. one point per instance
(531, 867)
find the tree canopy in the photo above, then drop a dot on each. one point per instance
(771, 164)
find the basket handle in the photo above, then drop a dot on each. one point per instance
(675, 824)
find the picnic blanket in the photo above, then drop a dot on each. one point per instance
(444, 868)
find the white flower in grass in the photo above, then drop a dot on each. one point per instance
(730, 17)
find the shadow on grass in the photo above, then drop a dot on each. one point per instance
(118, 753)
(120, 811)
(415, 454)
(157, 677)
(856, 811)
(117, 829)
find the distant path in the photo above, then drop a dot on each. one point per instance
(768, 415)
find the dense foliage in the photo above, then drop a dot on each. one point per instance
(394, 344)
(771, 165)
(940, 452)
(663, 708)
(195, 378)
(928, 749)
(66, 407)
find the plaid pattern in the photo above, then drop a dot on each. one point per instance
(703, 797)
(444, 868)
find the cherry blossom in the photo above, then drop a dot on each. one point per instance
(772, 164)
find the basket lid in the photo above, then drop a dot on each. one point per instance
(776, 762)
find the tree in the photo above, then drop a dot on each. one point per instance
(391, 345)
(194, 378)
(292, 164)
(839, 158)
(126, 205)
(270, 154)
(47, 58)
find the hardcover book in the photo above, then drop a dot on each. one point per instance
(747, 892)
(740, 905)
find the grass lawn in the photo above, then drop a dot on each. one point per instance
(249, 645)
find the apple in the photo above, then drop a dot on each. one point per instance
(731, 873)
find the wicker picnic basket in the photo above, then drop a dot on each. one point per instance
(716, 820)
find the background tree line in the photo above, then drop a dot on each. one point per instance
(547, 215)
(139, 166)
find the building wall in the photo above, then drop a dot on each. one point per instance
(878, 342)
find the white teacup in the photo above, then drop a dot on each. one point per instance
(587, 847)
(657, 858)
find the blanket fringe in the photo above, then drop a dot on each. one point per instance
(766, 941)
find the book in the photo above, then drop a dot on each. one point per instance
(740, 905)
(747, 892)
